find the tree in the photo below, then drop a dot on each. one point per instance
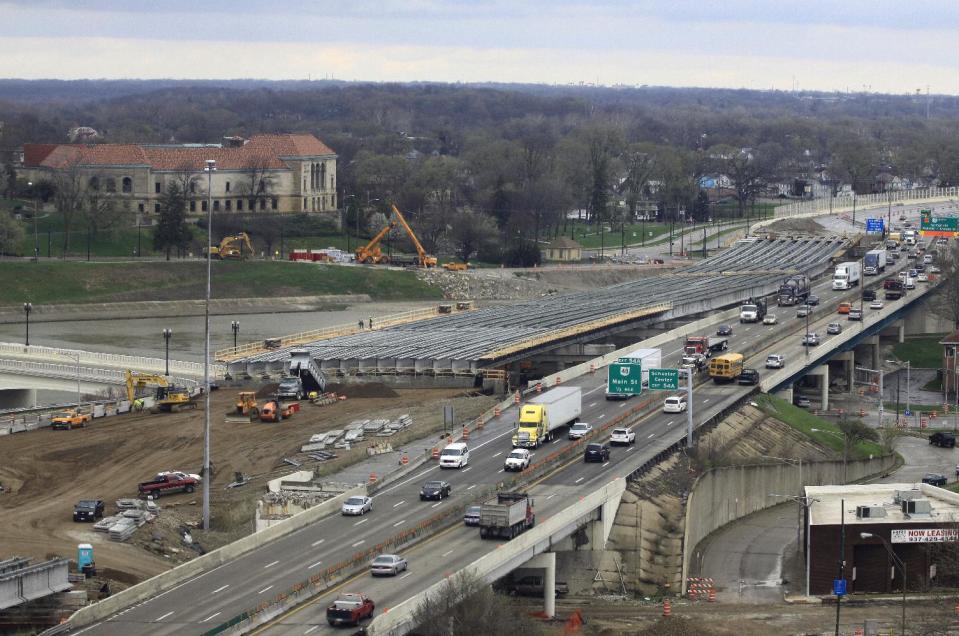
(11, 234)
(171, 230)
(523, 253)
(257, 184)
(640, 164)
(945, 302)
(745, 171)
(68, 197)
(8, 180)
(854, 432)
(471, 233)
(701, 207)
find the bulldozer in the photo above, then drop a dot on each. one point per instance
(231, 247)
(246, 404)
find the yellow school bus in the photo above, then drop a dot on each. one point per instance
(726, 368)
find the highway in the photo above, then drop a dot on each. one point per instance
(215, 596)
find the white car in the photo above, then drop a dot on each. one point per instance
(932, 269)
(775, 361)
(876, 304)
(927, 259)
(518, 460)
(769, 319)
(910, 283)
(456, 455)
(179, 474)
(622, 436)
(922, 277)
(580, 430)
(674, 404)
(357, 506)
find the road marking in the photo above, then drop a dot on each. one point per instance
(436, 504)
(399, 523)
(629, 449)
(670, 423)
(446, 554)
(557, 441)
(311, 630)
(360, 542)
(551, 496)
(579, 480)
(359, 522)
(399, 503)
(602, 415)
(270, 565)
(592, 404)
(310, 567)
(601, 386)
(467, 469)
(651, 436)
(706, 400)
(316, 543)
(220, 589)
(606, 464)
(498, 454)
(268, 587)
(406, 575)
(500, 470)
(471, 487)
(210, 617)
(623, 405)
(162, 617)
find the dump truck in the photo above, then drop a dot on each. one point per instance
(794, 290)
(506, 516)
(874, 263)
(894, 288)
(705, 345)
(542, 415)
(847, 275)
(646, 358)
(752, 310)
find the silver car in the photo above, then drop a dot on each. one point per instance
(580, 430)
(388, 565)
(357, 506)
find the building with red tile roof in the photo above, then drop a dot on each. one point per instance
(277, 172)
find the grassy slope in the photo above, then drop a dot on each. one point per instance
(823, 432)
(81, 282)
(924, 352)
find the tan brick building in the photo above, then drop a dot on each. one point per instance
(269, 173)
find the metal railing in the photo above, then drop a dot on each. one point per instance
(844, 204)
(108, 360)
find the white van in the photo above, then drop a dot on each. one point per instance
(455, 455)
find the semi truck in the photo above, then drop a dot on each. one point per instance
(648, 359)
(506, 516)
(705, 345)
(846, 275)
(874, 263)
(909, 237)
(794, 290)
(542, 415)
(752, 310)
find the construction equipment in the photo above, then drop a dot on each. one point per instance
(168, 398)
(246, 404)
(231, 247)
(371, 253)
(275, 411)
(456, 267)
(423, 259)
(136, 382)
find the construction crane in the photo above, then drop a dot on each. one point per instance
(371, 253)
(168, 398)
(231, 247)
(423, 259)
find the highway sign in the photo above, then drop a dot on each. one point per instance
(931, 225)
(907, 413)
(663, 379)
(875, 226)
(625, 378)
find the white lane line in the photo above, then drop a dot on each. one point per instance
(311, 630)
(706, 400)
(406, 575)
(500, 470)
(498, 454)
(628, 450)
(316, 543)
(436, 504)
(399, 523)
(579, 480)
(310, 567)
(162, 617)
(600, 387)
(471, 487)
(623, 405)
(551, 496)
(606, 464)
(399, 503)
(220, 589)
(270, 565)
(601, 416)
(557, 441)
(359, 522)
(676, 351)
(669, 423)
(651, 436)
(210, 617)
(360, 542)
(592, 404)
(467, 469)
(265, 589)
(446, 554)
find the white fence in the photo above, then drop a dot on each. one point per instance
(847, 204)
(108, 361)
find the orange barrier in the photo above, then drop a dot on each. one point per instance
(712, 595)
(539, 387)
(862, 412)
(404, 459)
(497, 412)
(667, 610)
(466, 432)
(435, 453)
(858, 632)
(592, 368)
(372, 478)
(559, 379)
(516, 398)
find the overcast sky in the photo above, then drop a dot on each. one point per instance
(875, 45)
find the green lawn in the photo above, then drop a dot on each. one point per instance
(923, 352)
(823, 432)
(83, 282)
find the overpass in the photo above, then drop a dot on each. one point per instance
(21, 582)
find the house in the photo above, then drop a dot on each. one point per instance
(564, 249)
(950, 379)
(280, 173)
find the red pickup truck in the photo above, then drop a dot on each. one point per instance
(168, 482)
(349, 609)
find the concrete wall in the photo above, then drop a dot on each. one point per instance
(724, 495)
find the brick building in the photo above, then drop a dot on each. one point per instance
(276, 173)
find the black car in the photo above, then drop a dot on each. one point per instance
(934, 479)
(813, 299)
(919, 267)
(88, 510)
(596, 453)
(724, 330)
(869, 294)
(435, 490)
(749, 376)
(943, 439)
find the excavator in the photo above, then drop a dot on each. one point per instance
(371, 253)
(168, 398)
(422, 258)
(231, 247)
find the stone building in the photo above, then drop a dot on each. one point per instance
(282, 173)
(564, 250)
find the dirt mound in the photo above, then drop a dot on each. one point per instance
(362, 390)
(267, 391)
(797, 226)
(677, 626)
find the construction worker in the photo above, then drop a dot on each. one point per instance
(371, 322)
(360, 324)
(138, 404)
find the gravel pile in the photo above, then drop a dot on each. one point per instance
(478, 285)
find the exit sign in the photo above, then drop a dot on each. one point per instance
(664, 379)
(625, 378)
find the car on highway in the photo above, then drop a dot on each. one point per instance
(869, 294)
(923, 277)
(934, 479)
(912, 273)
(674, 404)
(436, 489)
(695, 361)
(813, 299)
(749, 376)
(804, 310)
(769, 319)
(810, 339)
(724, 330)
(912, 255)
(920, 268)
(876, 304)
(622, 436)
(518, 460)
(855, 314)
(455, 455)
(388, 565)
(580, 430)
(892, 256)
(933, 270)
(801, 401)
(349, 609)
(88, 510)
(833, 328)
(927, 259)
(910, 283)
(596, 452)
(775, 361)
(472, 516)
(357, 506)
(844, 308)
(903, 275)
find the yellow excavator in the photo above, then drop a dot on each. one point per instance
(371, 253)
(422, 258)
(231, 247)
(168, 398)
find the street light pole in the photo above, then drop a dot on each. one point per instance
(897, 561)
(207, 477)
(36, 243)
(27, 308)
(167, 334)
(235, 325)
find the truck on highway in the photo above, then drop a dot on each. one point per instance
(752, 310)
(909, 237)
(847, 275)
(349, 609)
(506, 516)
(165, 483)
(726, 368)
(794, 290)
(647, 359)
(545, 413)
(874, 263)
(705, 345)
(894, 288)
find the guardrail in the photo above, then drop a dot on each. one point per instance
(110, 360)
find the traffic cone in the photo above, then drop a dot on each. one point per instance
(667, 609)
(405, 459)
(858, 632)
(712, 595)
(435, 453)
(516, 398)
(372, 478)
(496, 412)
(539, 387)
(559, 379)
(592, 368)
(466, 432)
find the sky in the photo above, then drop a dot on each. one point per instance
(841, 45)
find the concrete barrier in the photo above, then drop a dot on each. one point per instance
(162, 582)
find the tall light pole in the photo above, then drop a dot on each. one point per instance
(27, 308)
(897, 561)
(210, 169)
(167, 334)
(36, 211)
(908, 364)
(235, 325)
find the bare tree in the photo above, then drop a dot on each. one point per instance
(945, 302)
(11, 234)
(258, 182)
(69, 196)
(471, 233)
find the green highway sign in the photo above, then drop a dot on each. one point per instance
(625, 378)
(663, 379)
(931, 225)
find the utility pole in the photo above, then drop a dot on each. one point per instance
(207, 477)
(689, 407)
(842, 560)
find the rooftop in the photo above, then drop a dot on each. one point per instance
(831, 500)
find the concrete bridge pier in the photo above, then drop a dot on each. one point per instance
(848, 361)
(547, 561)
(785, 394)
(822, 372)
(873, 342)
(900, 326)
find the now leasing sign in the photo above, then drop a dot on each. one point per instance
(925, 535)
